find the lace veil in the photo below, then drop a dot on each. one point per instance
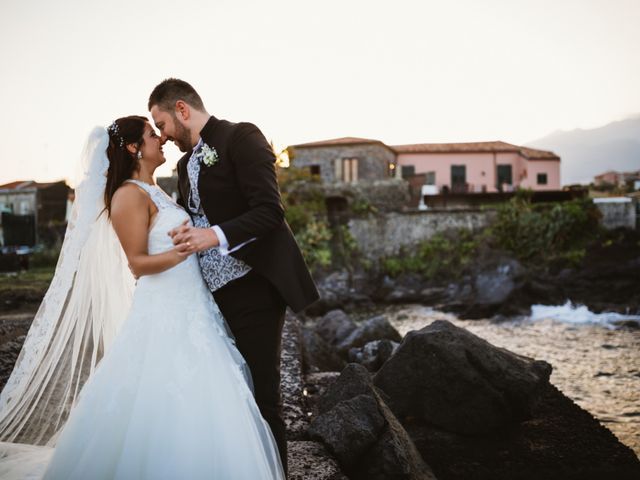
(88, 299)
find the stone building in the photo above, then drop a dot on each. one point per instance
(345, 160)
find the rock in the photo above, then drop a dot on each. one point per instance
(373, 354)
(293, 408)
(494, 286)
(340, 289)
(318, 354)
(354, 380)
(310, 461)
(405, 288)
(394, 456)
(457, 381)
(335, 326)
(560, 442)
(316, 385)
(376, 328)
(349, 429)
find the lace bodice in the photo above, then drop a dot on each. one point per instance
(170, 215)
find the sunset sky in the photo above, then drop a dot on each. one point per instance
(401, 72)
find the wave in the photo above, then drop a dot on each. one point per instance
(578, 314)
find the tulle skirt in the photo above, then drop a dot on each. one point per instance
(172, 398)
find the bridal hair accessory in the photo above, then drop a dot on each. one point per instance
(114, 130)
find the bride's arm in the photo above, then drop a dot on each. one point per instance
(131, 215)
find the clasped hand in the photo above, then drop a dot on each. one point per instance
(188, 239)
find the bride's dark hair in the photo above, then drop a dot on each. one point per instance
(122, 163)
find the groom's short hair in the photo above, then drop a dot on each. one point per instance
(169, 91)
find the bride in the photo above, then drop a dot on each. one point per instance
(117, 382)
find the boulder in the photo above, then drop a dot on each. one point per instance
(334, 327)
(349, 429)
(376, 328)
(392, 455)
(373, 354)
(560, 442)
(318, 355)
(457, 381)
(310, 460)
(354, 380)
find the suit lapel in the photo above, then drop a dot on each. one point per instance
(183, 178)
(208, 136)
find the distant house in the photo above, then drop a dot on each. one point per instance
(480, 166)
(446, 167)
(28, 205)
(347, 159)
(617, 179)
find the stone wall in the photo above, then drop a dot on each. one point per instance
(617, 212)
(384, 235)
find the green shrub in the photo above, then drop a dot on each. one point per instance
(443, 256)
(545, 232)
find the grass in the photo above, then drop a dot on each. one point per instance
(35, 278)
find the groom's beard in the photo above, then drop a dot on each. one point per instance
(182, 138)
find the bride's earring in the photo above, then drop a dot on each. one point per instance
(139, 155)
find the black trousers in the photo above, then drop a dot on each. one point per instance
(255, 311)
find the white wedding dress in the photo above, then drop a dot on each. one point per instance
(172, 397)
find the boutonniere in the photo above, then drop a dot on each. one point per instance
(207, 155)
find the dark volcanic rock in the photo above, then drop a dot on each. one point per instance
(373, 354)
(310, 461)
(335, 326)
(560, 441)
(341, 289)
(316, 385)
(349, 429)
(455, 380)
(319, 356)
(354, 380)
(392, 455)
(376, 328)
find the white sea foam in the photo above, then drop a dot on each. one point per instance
(578, 314)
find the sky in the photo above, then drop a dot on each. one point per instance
(401, 72)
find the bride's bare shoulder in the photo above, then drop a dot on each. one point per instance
(129, 195)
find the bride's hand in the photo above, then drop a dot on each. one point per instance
(188, 239)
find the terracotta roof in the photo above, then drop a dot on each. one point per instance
(24, 184)
(338, 142)
(475, 147)
(533, 154)
(18, 184)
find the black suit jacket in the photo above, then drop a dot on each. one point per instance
(240, 194)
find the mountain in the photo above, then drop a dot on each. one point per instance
(586, 153)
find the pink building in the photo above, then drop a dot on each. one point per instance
(480, 166)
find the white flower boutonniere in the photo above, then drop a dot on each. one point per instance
(207, 155)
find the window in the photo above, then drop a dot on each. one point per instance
(542, 179)
(430, 178)
(505, 176)
(408, 171)
(458, 178)
(314, 169)
(346, 170)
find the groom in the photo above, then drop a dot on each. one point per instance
(248, 255)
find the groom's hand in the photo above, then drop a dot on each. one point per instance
(188, 239)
